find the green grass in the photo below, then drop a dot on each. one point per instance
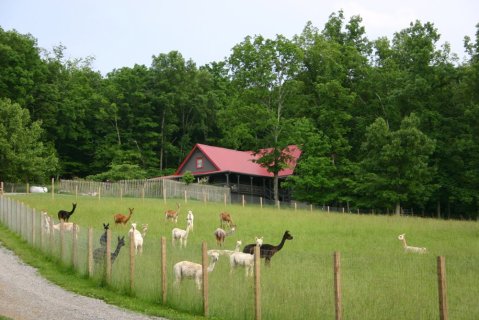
(379, 280)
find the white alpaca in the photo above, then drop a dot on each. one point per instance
(225, 252)
(67, 226)
(47, 220)
(137, 237)
(259, 241)
(190, 219)
(187, 269)
(407, 248)
(180, 235)
(241, 259)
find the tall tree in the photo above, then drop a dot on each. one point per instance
(23, 155)
(395, 166)
(263, 73)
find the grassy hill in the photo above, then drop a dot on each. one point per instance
(379, 280)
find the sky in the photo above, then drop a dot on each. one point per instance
(122, 33)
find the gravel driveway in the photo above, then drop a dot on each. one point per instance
(25, 295)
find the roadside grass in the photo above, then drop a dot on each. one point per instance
(70, 280)
(379, 280)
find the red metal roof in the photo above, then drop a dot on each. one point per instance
(228, 160)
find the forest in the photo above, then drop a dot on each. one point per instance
(383, 124)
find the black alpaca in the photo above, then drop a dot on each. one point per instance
(65, 215)
(99, 253)
(268, 250)
(103, 236)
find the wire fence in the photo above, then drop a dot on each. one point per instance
(77, 248)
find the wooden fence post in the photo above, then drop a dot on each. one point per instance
(76, 193)
(257, 283)
(186, 197)
(62, 238)
(33, 227)
(132, 262)
(441, 279)
(108, 257)
(261, 202)
(337, 285)
(205, 278)
(53, 188)
(90, 252)
(75, 246)
(225, 198)
(242, 199)
(50, 221)
(295, 206)
(163, 269)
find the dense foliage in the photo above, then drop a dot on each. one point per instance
(384, 124)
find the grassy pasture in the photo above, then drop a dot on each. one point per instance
(379, 280)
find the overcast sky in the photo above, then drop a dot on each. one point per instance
(122, 33)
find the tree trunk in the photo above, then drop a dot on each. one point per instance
(162, 147)
(398, 208)
(276, 187)
(438, 209)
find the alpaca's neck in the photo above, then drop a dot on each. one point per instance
(73, 209)
(278, 247)
(144, 233)
(404, 242)
(115, 254)
(211, 267)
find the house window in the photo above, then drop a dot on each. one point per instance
(199, 163)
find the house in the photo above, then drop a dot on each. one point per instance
(236, 170)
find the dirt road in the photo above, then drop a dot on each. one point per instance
(25, 295)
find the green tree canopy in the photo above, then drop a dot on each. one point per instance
(23, 155)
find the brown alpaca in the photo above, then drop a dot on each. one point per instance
(225, 219)
(221, 234)
(121, 218)
(173, 214)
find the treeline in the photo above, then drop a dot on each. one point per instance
(384, 124)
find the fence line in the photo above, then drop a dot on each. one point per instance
(29, 224)
(161, 188)
(168, 189)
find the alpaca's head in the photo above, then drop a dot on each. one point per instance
(288, 236)
(259, 241)
(106, 226)
(214, 256)
(121, 241)
(401, 236)
(133, 225)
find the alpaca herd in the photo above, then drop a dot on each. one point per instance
(238, 258)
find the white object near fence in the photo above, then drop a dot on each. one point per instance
(37, 189)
